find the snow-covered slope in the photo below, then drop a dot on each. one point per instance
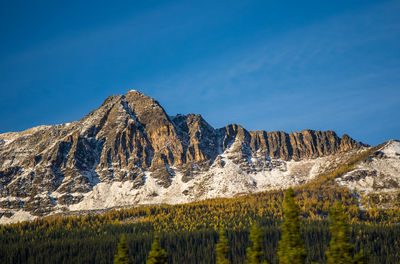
(378, 175)
(225, 178)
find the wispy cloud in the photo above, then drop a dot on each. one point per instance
(295, 52)
(337, 68)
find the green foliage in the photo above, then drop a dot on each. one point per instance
(122, 257)
(340, 250)
(291, 246)
(98, 245)
(157, 255)
(222, 248)
(255, 253)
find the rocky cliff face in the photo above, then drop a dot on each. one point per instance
(130, 140)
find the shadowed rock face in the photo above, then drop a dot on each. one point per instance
(127, 136)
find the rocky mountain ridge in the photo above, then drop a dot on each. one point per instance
(129, 151)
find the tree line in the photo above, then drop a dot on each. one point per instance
(291, 249)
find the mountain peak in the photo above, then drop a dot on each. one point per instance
(391, 148)
(131, 142)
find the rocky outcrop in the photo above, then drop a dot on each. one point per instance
(300, 145)
(125, 138)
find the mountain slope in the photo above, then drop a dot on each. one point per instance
(129, 152)
(377, 179)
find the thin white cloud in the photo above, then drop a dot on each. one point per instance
(294, 52)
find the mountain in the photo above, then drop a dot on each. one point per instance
(129, 152)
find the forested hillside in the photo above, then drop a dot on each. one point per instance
(188, 232)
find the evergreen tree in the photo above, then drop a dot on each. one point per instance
(291, 246)
(340, 250)
(157, 255)
(122, 256)
(255, 253)
(222, 248)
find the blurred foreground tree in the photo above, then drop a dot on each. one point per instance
(157, 255)
(340, 250)
(291, 246)
(122, 257)
(222, 248)
(255, 253)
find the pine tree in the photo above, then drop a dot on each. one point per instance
(255, 253)
(222, 248)
(157, 255)
(122, 256)
(291, 246)
(340, 250)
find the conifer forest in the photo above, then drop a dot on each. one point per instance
(312, 225)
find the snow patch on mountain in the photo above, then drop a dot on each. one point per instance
(18, 216)
(116, 194)
(226, 181)
(392, 149)
(379, 174)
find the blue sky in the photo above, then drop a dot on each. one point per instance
(267, 65)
